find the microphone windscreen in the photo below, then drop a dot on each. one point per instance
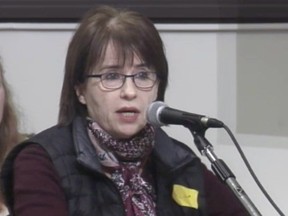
(153, 113)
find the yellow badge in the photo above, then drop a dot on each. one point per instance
(185, 196)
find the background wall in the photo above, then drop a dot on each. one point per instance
(236, 73)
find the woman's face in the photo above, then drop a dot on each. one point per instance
(2, 98)
(121, 112)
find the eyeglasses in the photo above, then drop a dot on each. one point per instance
(112, 80)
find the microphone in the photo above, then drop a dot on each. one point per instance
(159, 114)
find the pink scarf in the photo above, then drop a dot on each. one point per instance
(123, 161)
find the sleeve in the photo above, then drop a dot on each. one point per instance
(37, 187)
(219, 198)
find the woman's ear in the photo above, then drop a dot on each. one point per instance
(79, 93)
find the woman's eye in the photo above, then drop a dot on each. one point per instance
(142, 75)
(111, 76)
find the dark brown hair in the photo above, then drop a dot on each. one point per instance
(130, 32)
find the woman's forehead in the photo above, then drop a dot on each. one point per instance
(117, 55)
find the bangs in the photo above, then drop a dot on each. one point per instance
(124, 53)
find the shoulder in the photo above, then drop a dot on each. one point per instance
(32, 169)
(168, 144)
(169, 153)
(39, 148)
(25, 160)
(31, 152)
(33, 159)
(52, 133)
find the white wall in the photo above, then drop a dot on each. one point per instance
(215, 70)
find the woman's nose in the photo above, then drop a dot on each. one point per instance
(129, 89)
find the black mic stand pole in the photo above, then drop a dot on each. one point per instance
(222, 170)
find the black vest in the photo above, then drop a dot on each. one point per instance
(89, 192)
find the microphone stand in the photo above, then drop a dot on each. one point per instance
(222, 170)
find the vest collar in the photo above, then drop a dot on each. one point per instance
(168, 156)
(86, 154)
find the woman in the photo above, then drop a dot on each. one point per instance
(9, 135)
(103, 158)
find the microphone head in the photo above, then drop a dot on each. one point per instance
(153, 113)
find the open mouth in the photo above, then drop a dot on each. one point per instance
(128, 114)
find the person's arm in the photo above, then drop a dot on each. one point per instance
(220, 199)
(37, 187)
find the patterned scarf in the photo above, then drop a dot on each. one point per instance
(123, 161)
